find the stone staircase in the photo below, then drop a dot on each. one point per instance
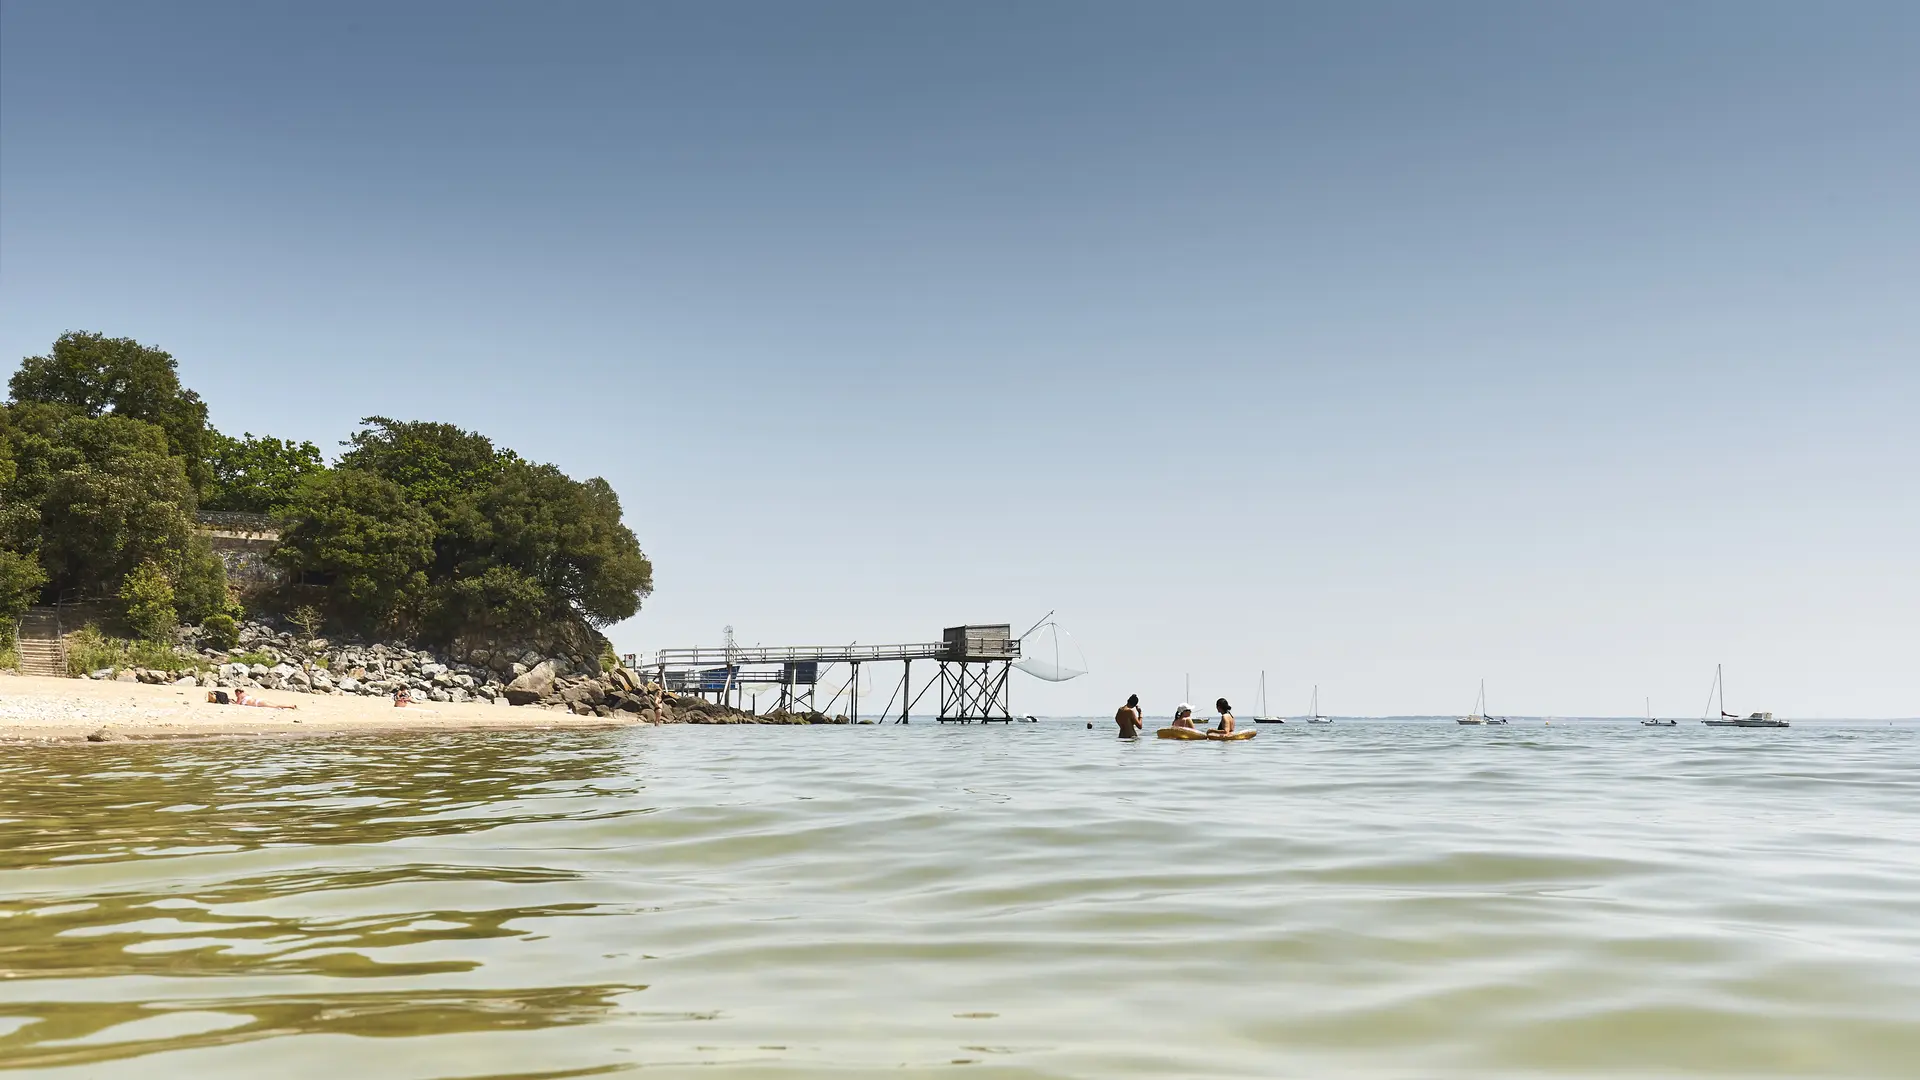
(42, 649)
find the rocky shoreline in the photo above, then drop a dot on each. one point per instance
(266, 659)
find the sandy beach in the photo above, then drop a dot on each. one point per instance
(69, 710)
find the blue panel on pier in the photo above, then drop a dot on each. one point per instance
(803, 673)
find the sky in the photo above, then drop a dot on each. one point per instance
(1384, 347)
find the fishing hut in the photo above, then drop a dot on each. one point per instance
(973, 673)
(974, 664)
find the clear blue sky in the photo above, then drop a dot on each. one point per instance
(1383, 346)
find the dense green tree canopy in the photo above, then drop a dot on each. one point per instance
(91, 498)
(99, 375)
(256, 474)
(365, 542)
(109, 497)
(440, 466)
(420, 528)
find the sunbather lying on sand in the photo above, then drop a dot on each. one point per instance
(218, 697)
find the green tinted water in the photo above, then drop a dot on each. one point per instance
(1356, 900)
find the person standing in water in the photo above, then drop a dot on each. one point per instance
(1225, 710)
(1128, 717)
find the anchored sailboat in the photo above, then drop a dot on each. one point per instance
(1651, 722)
(1727, 719)
(1263, 718)
(1480, 716)
(1313, 713)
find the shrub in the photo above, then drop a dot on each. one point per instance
(200, 588)
(90, 650)
(222, 631)
(9, 659)
(308, 619)
(255, 657)
(148, 594)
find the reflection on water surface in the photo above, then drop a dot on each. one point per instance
(1367, 899)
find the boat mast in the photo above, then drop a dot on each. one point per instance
(1720, 681)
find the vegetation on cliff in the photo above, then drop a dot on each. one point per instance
(417, 529)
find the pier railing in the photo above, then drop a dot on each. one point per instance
(782, 654)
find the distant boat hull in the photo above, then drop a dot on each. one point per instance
(1268, 720)
(1318, 720)
(1659, 723)
(1759, 719)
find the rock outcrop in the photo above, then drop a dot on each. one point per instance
(533, 687)
(269, 659)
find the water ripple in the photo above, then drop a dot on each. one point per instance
(1383, 900)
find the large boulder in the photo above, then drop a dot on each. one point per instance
(533, 687)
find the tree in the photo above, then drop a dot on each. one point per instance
(98, 376)
(110, 498)
(438, 465)
(256, 474)
(20, 582)
(567, 537)
(368, 545)
(148, 596)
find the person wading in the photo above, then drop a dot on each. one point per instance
(1128, 717)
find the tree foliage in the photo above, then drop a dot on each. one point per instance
(108, 495)
(440, 466)
(420, 528)
(98, 375)
(364, 541)
(147, 593)
(566, 536)
(20, 582)
(256, 474)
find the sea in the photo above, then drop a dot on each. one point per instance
(1360, 899)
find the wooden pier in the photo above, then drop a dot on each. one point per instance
(974, 662)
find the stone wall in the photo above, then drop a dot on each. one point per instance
(244, 542)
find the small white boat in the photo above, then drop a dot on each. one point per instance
(1263, 718)
(1727, 719)
(1480, 716)
(1313, 711)
(1651, 722)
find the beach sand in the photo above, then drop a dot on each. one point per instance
(40, 709)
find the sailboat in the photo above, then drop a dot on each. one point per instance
(1263, 718)
(1480, 716)
(1313, 713)
(1651, 722)
(1727, 719)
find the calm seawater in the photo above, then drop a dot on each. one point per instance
(1359, 900)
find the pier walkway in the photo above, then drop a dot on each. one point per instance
(974, 662)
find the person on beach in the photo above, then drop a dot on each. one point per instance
(1183, 716)
(1129, 718)
(240, 698)
(402, 698)
(1225, 727)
